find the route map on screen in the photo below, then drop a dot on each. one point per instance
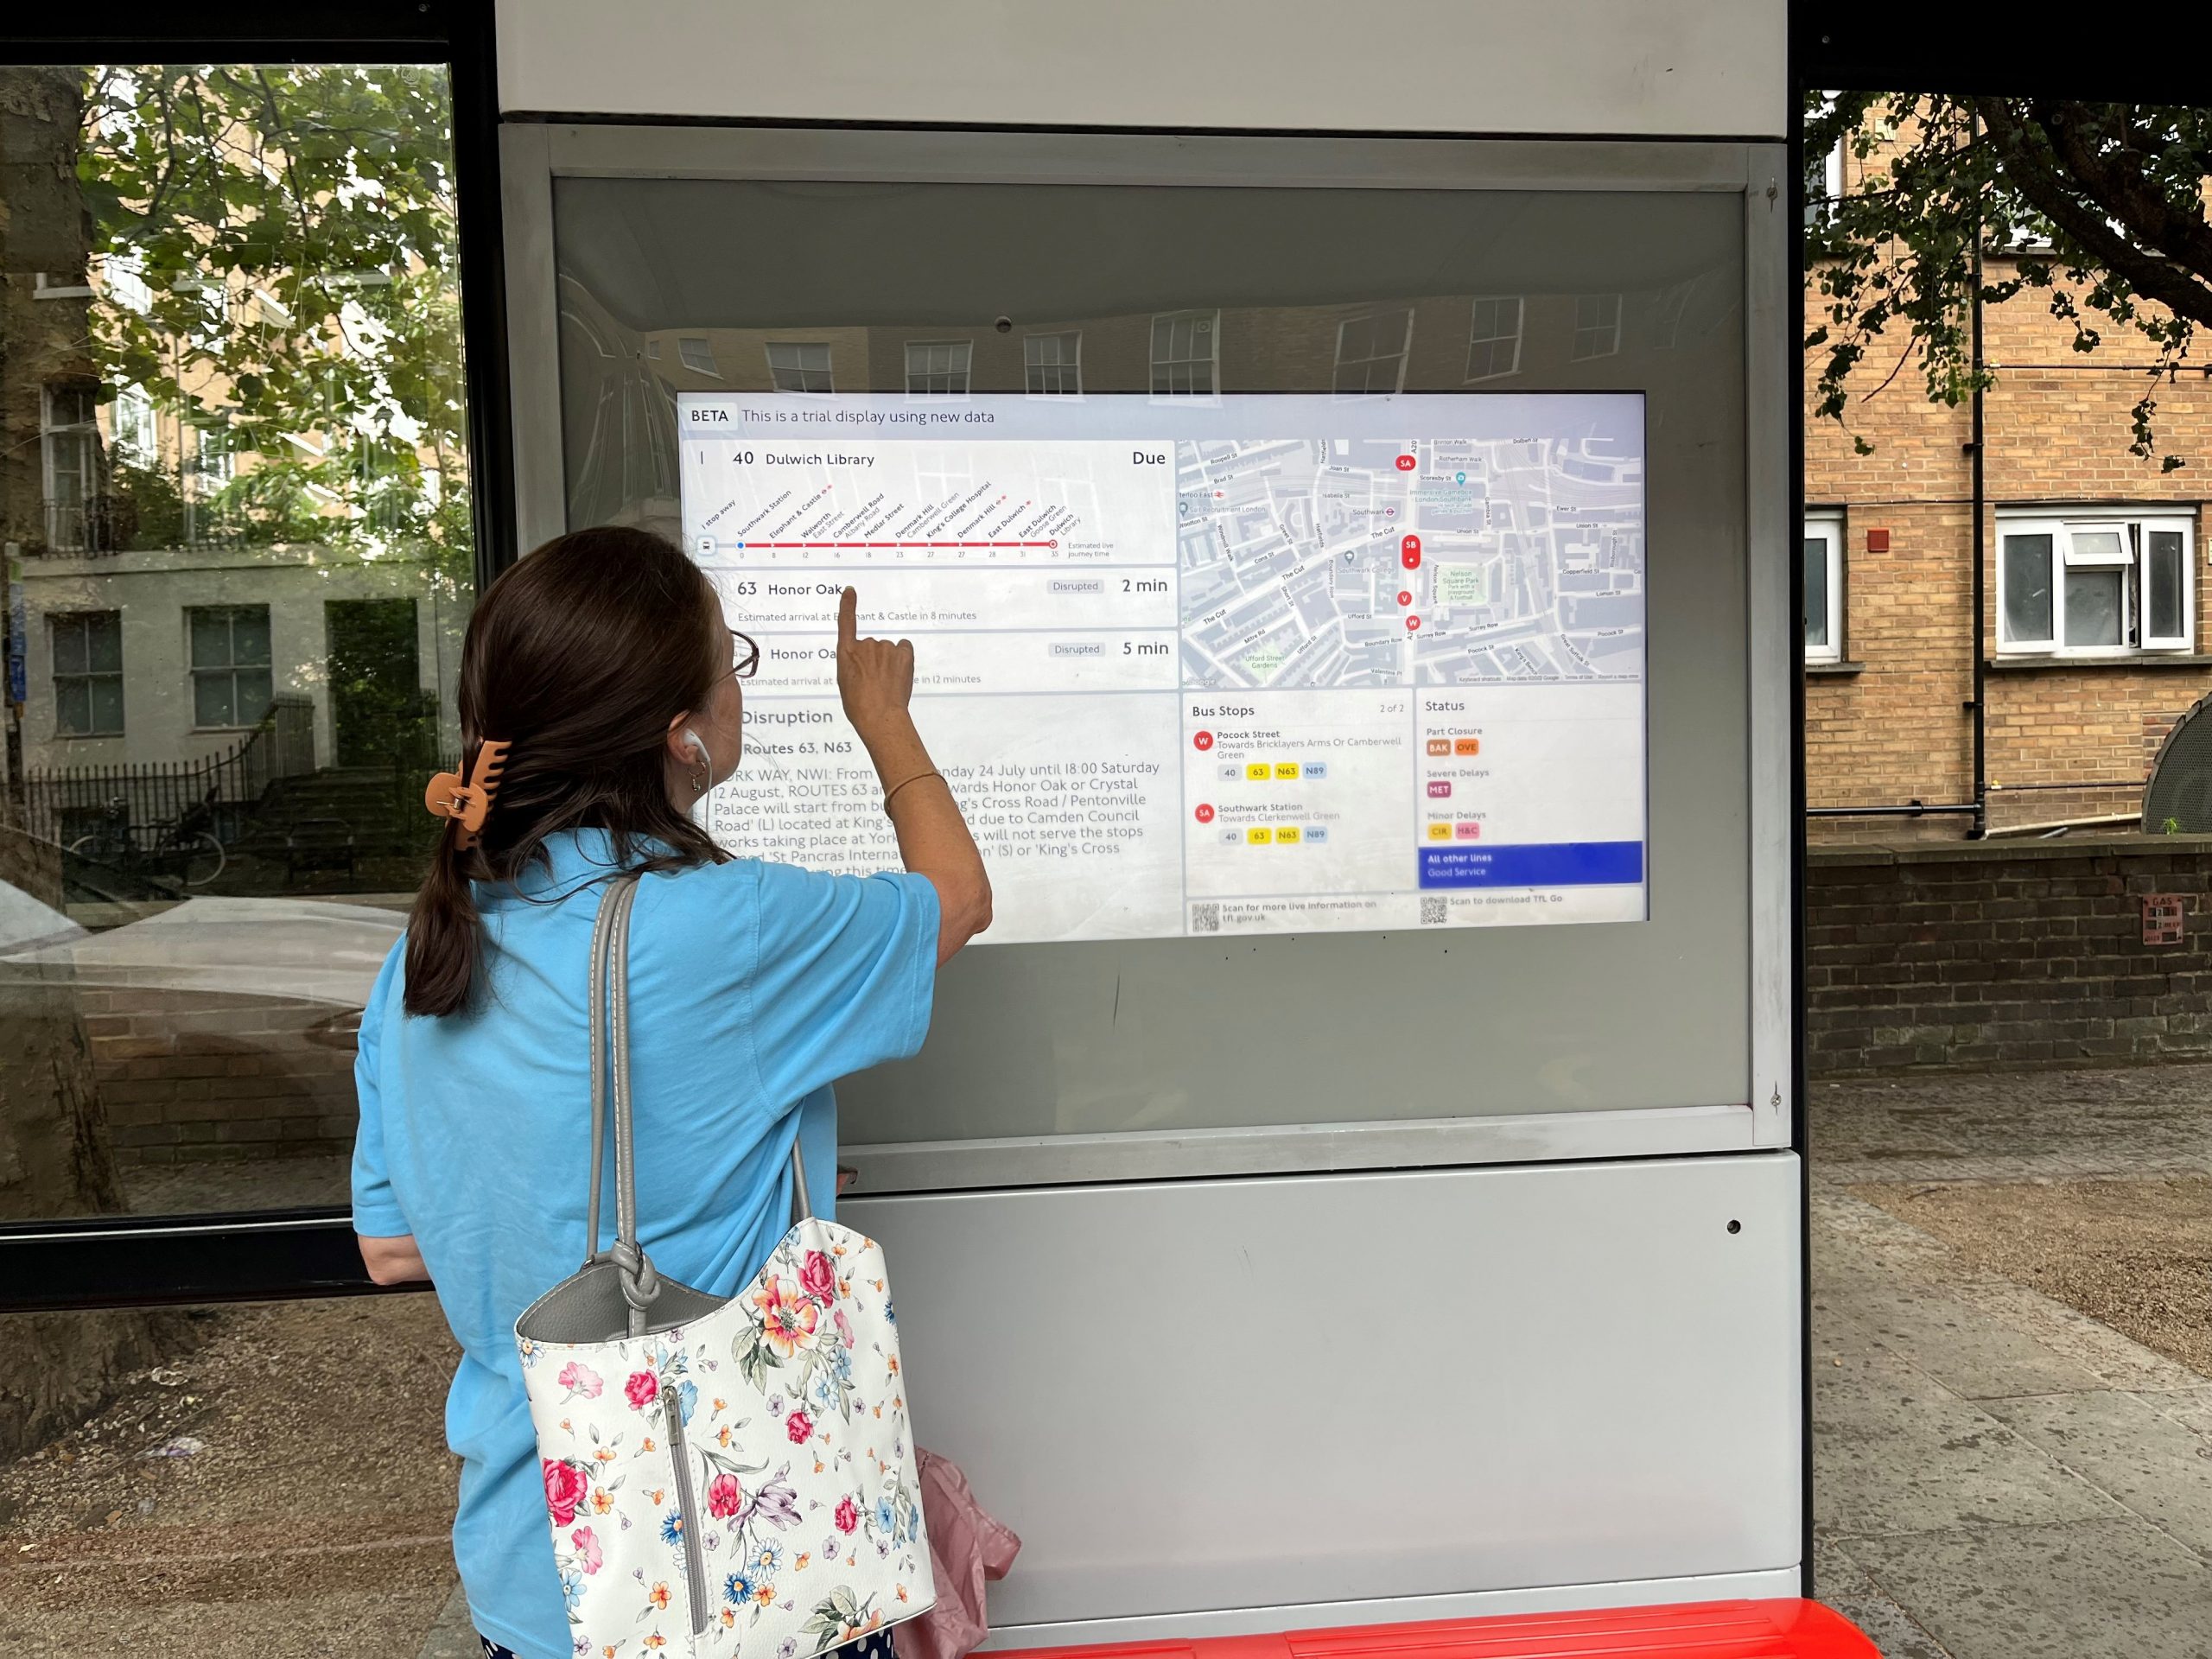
(1245, 664)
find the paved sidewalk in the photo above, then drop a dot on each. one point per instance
(1998, 1476)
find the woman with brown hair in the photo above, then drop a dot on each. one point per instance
(600, 702)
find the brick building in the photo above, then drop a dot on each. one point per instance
(2094, 629)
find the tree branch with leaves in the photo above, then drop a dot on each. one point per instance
(294, 231)
(2098, 207)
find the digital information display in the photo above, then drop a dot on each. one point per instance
(1245, 664)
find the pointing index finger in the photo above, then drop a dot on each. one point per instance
(848, 610)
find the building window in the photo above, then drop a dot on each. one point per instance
(1052, 365)
(698, 356)
(230, 663)
(1597, 326)
(1494, 338)
(938, 367)
(124, 279)
(87, 673)
(1823, 551)
(1186, 354)
(800, 365)
(212, 326)
(209, 465)
(130, 418)
(69, 438)
(2098, 584)
(1823, 184)
(1371, 353)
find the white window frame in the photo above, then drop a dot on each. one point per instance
(206, 472)
(68, 524)
(1365, 365)
(134, 440)
(43, 288)
(1819, 208)
(1474, 313)
(1202, 322)
(1063, 376)
(685, 345)
(799, 369)
(942, 369)
(2135, 526)
(123, 277)
(1605, 343)
(1829, 526)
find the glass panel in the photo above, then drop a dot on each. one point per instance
(250, 634)
(1816, 591)
(1271, 275)
(70, 649)
(2165, 560)
(2096, 601)
(2101, 544)
(252, 695)
(233, 1482)
(107, 703)
(1494, 340)
(1053, 363)
(1597, 326)
(2026, 585)
(247, 362)
(104, 640)
(211, 638)
(72, 705)
(212, 703)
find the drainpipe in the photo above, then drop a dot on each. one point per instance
(1980, 827)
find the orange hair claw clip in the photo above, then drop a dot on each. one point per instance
(470, 803)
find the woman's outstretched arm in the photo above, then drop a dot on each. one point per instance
(875, 678)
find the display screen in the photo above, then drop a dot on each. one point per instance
(1264, 664)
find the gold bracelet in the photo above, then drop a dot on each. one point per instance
(916, 778)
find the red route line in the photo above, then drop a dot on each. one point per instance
(902, 543)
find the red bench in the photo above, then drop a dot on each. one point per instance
(1703, 1629)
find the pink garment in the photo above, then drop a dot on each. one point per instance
(967, 1546)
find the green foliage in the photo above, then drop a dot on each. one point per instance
(2098, 207)
(2171, 827)
(294, 229)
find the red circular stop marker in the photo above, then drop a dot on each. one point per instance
(1412, 623)
(1405, 463)
(1205, 814)
(1404, 597)
(1409, 552)
(1203, 740)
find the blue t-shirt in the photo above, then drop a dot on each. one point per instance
(752, 986)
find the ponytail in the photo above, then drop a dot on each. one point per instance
(444, 932)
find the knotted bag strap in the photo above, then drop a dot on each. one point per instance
(609, 990)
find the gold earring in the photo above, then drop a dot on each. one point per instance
(699, 780)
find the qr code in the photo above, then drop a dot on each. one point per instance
(1205, 919)
(1432, 910)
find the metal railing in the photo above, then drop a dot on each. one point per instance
(63, 802)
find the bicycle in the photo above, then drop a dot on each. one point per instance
(186, 850)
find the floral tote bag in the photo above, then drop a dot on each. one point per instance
(726, 1477)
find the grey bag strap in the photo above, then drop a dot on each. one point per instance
(609, 990)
